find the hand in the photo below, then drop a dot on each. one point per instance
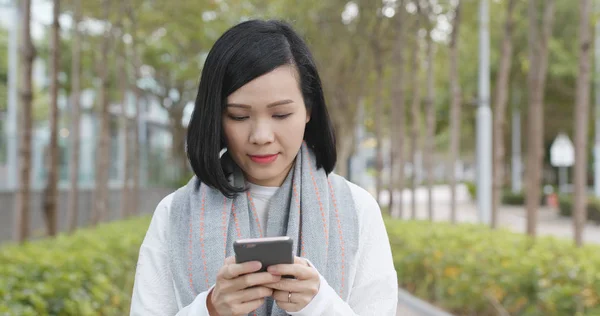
(294, 294)
(238, 290)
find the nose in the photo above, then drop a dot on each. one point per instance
(261, 133)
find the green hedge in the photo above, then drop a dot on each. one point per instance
(466, 269)
(593, 208)
(508, 197)
(462, 268)
(88, 273)
(518, 199)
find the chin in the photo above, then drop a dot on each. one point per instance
(266, 176)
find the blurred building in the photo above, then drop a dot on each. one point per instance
(154, 136)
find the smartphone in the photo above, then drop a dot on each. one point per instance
(267, 250)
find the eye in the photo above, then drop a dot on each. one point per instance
(282, 116)
(237, 118)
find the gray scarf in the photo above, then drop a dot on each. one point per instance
(316, 210)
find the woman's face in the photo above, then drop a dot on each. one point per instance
(264, 125)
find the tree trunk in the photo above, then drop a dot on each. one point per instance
(103, 153)
(538, 60)
(346, 148)
(345, 145)
(73, 210)
(178, 133)
(430, 120)
(500, 109)
(378, 59)
(135, 190)
(582, 109)
(379, 126)
(398, 122)
(22, 195)
(125, 192)
(137, 65)
(50, 193)
(415, 110)
(455, 110)
(124, 119)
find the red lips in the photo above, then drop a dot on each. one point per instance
(263, 159)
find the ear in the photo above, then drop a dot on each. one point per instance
(308, 116)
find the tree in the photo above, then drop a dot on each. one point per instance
(137, 66)
(539, 36)
(344, 70)
(582, 109)
(73, 209)
(415, 111)
(103, 154)
(122, 79)
(3, 67)
(455, 108)
(51, 192)
(500, 109)
(22, 197)
(398, 121)
(175, 59)
(379, 119)
(430, 112)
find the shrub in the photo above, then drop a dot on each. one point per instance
(466, 269)
(510, 198)
(462, 268)
(88, 273)
(593, 207)
(472, 188)
(565, 205)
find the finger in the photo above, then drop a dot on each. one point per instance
(248, 307)
(232, 271)
(299, 271)
(253, 279)
(289, 307)
(289, 285)
(230, 260)
(283, 298)
(301, 261)
(252, 294)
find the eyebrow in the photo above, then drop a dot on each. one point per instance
(274, 104)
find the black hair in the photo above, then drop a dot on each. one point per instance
(243, 53)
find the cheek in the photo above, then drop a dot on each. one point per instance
(292, 133)
(232, 135)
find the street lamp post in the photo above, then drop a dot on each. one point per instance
(11, 118)
(484, 120)
(597, 109)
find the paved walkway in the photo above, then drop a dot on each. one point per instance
(550, 223)
(405, 311)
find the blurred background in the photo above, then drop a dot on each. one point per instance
(475, 124)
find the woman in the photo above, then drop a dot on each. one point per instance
(262, 147)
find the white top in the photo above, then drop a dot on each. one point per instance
(373, 279)
(261, 196)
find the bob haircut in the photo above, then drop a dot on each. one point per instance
(243, 53)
